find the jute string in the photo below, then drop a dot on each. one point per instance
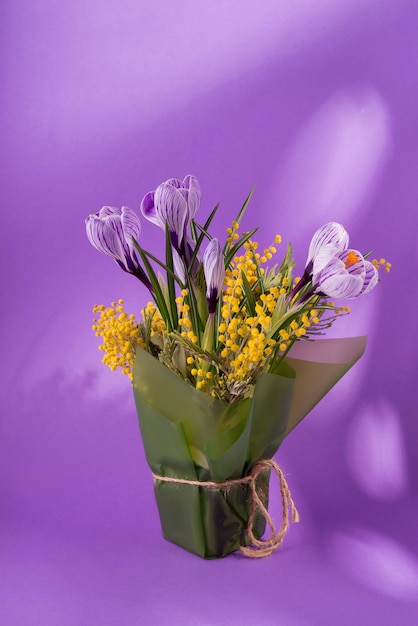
(258, 548)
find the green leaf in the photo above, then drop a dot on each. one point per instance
(287, 262)
(193, 230)
(244, 206)
(194, 313)
(248, 294)
(203, 233)
(159, 297)
(160, 263)
(170, 279)
(239, 218)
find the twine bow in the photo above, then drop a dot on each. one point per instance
(258, 548)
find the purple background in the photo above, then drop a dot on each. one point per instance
(316, 103)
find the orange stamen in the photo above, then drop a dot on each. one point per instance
(351, 259)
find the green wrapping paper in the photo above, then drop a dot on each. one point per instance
(189, 435)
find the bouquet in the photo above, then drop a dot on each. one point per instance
(224, 359)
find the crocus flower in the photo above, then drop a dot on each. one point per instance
(328, 241)
(112, 231)
(214, 269)
(174, 203)
(346, 275)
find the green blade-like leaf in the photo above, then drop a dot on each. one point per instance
(287, 263)
(203, 231)
(248, 294)
(244, 206)
(159, 297)
(170, 279)
(239, 217)
(193, 230)
(160, 263)
(191, 301)
(201, 236)
(211, 216)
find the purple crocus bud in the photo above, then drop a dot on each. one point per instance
(112, 231)
(346, 275)
(174, 203)
(328, 241)
(214, 269)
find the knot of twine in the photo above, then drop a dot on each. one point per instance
(258, 548)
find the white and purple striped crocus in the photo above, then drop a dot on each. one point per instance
(328, 241)
(214, 269)
(174, 203)
(112, 231)
(346, 275)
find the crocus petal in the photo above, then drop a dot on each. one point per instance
(192, 185)
(111, 232)
(171, 208)
(130, 223)
(214, 269)
(330, 235)
(342, 286)
(174, 182)
(131, 227)
(103, 235)
(92, 231)
(114, 235)
(342, 277)
(322, 257)
(334, 267)
(178, 266)
(148, 209)
(371, 277)
(174, 203)
(109, 210)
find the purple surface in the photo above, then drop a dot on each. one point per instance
(316, 103)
